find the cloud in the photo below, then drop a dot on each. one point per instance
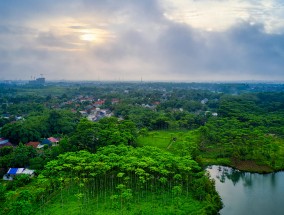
(52, 40)
(219, 15)
(136, 39)
(245, 52)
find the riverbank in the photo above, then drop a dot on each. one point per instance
(248, 166)
(163, 140)
(252, 166)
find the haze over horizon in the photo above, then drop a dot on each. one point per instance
(182, 40)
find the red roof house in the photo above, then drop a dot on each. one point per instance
(33, 144)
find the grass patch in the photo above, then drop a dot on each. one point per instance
(172, 141)
(214, 161)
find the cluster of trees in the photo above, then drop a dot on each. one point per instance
(19, 156)
(251, 127)
(160, 119)
(39, 125)
(121, 178)
(27, 156)
(86, 135)
(108, 131)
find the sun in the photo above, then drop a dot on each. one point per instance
(88, 37)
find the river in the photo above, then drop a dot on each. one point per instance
(245, 193)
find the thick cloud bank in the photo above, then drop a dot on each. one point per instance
(130, 39)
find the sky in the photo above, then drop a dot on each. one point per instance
(152, 40)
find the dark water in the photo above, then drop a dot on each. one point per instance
(246, 193)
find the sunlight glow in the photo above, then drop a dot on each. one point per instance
(88, 37)
(71, 35)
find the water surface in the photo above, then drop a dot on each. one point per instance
(249, 193)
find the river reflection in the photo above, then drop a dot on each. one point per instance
(249, 193)
(233, 175)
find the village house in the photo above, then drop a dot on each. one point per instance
(12, 172)
(33, 144)
(114, 101)
(4, 142)
(99, 103)
(204, 101)
(51, 141)
(54, 141)
(44, 142)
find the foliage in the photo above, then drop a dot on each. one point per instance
(126, 174)
(247, 131)
(108, 131)
(16, 157)
(41, 125)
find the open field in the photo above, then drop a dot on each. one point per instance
(172, 141)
